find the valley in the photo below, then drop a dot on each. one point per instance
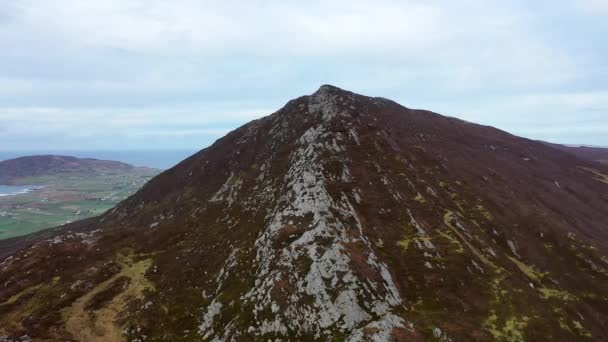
(65, 197)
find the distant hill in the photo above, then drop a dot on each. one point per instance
(586, 152)
(33, 166)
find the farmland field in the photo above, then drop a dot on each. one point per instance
(66, 198)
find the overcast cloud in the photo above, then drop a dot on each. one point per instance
(152, 74)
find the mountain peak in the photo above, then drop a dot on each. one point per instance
(332, 102)
(340, 101)
(329, 89)
(330, 93)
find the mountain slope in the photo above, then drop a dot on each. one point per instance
(339, 217)
(32, 166)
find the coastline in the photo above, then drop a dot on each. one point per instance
(21, 189)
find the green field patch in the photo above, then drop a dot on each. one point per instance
(66, 198)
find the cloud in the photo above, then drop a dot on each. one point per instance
(209, 26)
(279, 28)
(594, 6)
(155, 47)
(214, 132)
(65, 128)
(127, 118)
(578, 101)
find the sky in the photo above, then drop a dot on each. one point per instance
(151, 74)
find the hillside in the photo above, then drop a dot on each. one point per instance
(599, 154)
(338, 217)
(33, 166)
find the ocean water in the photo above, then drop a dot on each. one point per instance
(9, 190)
(159, 159)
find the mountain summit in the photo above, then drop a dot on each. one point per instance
(339, 217)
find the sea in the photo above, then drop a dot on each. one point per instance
(10, 190)
(158, 159)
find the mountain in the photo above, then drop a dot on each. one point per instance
(339, 217)
(33, 166)
(599, 154)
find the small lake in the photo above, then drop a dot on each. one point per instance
(10, 190)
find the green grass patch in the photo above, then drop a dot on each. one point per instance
(66, 198)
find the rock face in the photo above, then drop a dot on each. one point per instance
(339, 217)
